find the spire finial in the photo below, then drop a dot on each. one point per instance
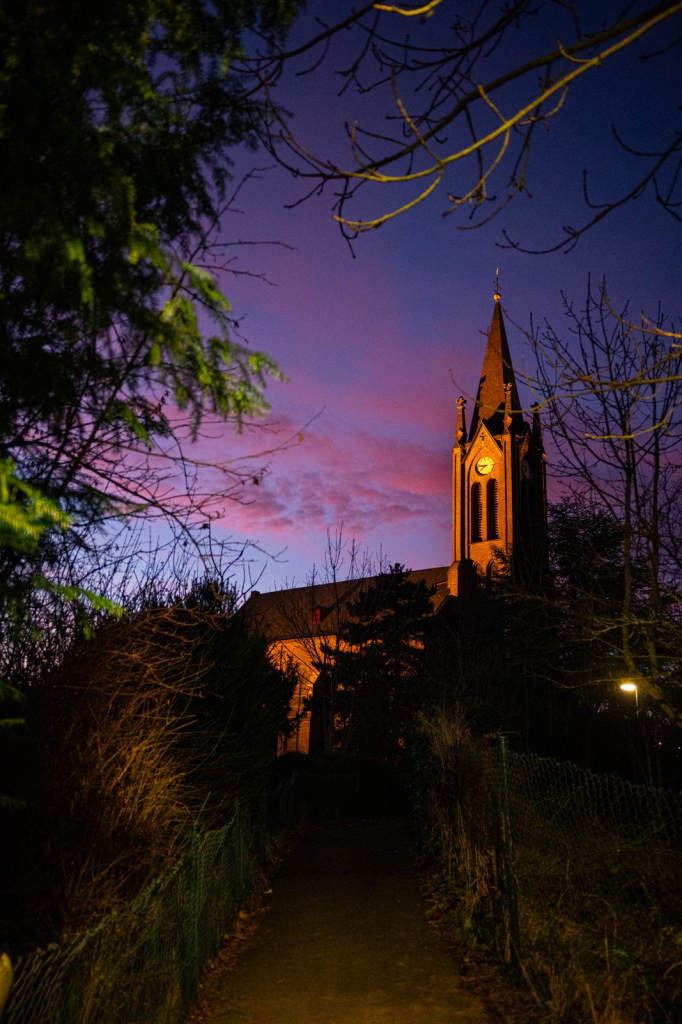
(461, 432)
(496, 296)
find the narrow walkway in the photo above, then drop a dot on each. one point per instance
(346, 941)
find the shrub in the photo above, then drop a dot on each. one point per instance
(150, 730)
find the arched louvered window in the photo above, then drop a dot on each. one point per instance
(491, 510)
(476, 513)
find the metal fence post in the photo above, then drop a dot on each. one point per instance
(510, 891)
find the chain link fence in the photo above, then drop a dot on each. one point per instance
(574, 877)
(142, 964)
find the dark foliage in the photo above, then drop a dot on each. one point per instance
(543, 663)
(151, 729)
(381, 663)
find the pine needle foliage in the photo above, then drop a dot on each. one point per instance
(116, 121)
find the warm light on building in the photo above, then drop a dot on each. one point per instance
(499, 512)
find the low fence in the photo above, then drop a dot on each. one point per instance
(574, 877)
(142, 964)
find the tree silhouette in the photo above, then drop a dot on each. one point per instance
(381, 662)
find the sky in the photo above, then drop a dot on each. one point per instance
(379, 342)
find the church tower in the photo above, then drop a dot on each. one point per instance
(499, 487)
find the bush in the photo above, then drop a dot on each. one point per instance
(147, 732)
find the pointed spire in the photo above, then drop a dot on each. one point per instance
(497, 372)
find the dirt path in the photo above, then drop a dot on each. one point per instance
(346, 941)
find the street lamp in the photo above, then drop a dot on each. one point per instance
(627, 686)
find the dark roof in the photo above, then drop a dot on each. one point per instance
(287, 614)
(497, 371)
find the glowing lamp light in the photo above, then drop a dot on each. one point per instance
(628, 687)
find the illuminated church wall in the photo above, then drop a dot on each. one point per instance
(499, 516)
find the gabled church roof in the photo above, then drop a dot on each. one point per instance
(497, 371)
(314, 610)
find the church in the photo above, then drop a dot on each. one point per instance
(499, 515)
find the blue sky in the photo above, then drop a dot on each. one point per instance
(371, 342)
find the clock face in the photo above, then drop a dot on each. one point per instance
(526, 469)
(484, 465)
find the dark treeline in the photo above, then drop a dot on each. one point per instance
(537, 659)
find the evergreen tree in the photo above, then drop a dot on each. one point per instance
(117, 120)
(382, 659)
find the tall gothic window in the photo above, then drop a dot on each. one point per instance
(491, 510)
(476, 513)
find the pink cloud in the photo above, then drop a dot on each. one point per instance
(372, 484)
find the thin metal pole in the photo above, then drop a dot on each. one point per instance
(510, 888)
